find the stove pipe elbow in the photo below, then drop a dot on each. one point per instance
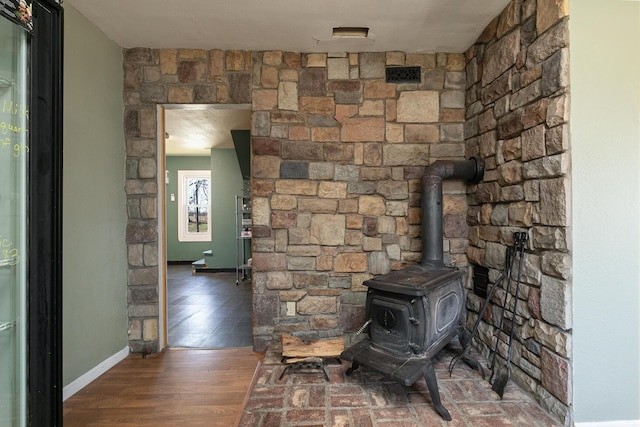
(471, 171)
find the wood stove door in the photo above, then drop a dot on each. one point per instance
(395, 322)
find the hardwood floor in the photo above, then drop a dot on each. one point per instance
(179, 387)
(207, 310)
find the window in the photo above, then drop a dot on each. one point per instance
(194, 211)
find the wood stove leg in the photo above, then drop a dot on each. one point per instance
(354, 366)
(432, 385)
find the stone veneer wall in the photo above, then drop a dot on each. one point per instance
(152, 77)
(517, 109)
(337, 159)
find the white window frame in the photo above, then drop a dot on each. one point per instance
(184, 235)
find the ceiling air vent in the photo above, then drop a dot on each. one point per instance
(403, 74)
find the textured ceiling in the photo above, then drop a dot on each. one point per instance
(195, 129)
(292, 25)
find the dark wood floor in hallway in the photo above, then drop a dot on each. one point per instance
(207, 310)
(179, 387)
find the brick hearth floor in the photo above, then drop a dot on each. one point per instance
(367, 399)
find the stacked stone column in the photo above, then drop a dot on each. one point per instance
(517, 110)
(154, 77)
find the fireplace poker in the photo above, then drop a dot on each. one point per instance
(464, 355)
(503, 377)
(512, 256)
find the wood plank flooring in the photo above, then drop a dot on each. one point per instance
(207, 310)
(181, 387)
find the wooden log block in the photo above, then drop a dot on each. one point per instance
(294, 347)
(316, 360)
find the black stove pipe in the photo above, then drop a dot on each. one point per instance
(471, 171)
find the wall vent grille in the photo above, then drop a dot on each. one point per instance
(403, 74)
(480, 280)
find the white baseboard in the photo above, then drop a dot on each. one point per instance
(632, 423)
(81, 382)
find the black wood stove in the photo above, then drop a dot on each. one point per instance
(413, 313)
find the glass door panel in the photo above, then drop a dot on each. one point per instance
(14, 149)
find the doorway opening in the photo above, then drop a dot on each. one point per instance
(203, 163)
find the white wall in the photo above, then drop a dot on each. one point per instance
(94, 212)
(605, 139)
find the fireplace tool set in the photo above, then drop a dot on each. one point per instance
(503, 373)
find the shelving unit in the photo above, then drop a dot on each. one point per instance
(243, 238)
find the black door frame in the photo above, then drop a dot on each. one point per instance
(44, 333)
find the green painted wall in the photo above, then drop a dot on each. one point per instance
(226, 182)
(242, 143)
(605, 147)
(94, 207)
(176, 250)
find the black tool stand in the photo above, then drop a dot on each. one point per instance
(307, 365)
